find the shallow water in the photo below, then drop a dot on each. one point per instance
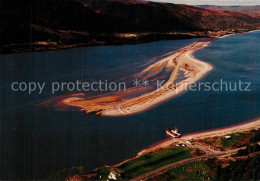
(37, 141)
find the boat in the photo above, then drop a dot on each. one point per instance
(173, 133)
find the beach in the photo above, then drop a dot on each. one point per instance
(117, 105)
(219, 132)
(237, 128)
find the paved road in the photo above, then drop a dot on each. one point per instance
(209, 154)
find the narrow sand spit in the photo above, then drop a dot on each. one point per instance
(118, 105)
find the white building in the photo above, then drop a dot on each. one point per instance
(113, 175)
(227, 137)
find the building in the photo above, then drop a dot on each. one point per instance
(113, 175)
(228, 137)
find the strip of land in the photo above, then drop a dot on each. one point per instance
(238, 128)
(118, 105)
(210, 153)
(160, 158)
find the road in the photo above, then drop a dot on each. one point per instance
(209, 154)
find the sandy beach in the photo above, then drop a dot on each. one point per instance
(237, 128)
(117, 105)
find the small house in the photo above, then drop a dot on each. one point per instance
(228, 137)
(113, 175)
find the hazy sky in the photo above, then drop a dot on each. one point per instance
(214, 2)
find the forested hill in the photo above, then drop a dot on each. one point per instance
(78, 21)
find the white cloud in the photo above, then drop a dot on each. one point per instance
(214, 2)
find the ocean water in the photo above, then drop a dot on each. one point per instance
(36, 141)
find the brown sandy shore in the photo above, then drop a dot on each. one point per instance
(237, 128)
(118, 105)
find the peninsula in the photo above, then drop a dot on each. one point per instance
(117, 105)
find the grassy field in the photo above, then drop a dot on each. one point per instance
(153, 161)
(186, 172)
(233, 141)
(236, 140)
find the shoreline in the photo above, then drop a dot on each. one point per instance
(117, 105)
(236, 128)
(181, 60)
(41, 46)
(227, 35)
(119, 39)
(165, 95)
(218, 132)
(222, 131)
(243, 127)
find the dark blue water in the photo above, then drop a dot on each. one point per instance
(37, 141)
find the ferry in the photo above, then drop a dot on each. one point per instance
(173, 133)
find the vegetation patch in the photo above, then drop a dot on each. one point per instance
(198, 152)
(186, 172)
(245, 169)
(236, 140)
(256, 137)
(248, 150)
(233, 141)
(103, 173)
(153, 161)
